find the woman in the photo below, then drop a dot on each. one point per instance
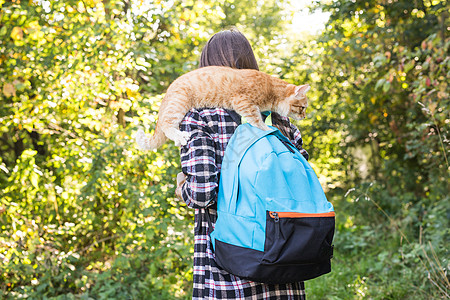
(210, 130)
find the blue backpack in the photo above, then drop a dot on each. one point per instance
(274, 223)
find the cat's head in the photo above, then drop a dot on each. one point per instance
(295, 102)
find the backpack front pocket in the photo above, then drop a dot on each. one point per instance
(298, 238)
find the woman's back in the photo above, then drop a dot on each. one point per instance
(201, 161)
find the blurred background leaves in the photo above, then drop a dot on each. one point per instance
(83, 214)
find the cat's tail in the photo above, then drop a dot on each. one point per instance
(146, 142)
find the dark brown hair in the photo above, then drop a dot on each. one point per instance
(228, 48)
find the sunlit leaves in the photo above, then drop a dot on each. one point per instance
(381, 87)
(82, 210)
(17, 33)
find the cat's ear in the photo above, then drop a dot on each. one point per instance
(300, 91)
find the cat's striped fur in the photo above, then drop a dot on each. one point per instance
(249, 92)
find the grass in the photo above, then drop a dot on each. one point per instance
(377, 260)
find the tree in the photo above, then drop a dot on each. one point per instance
(380, 71)
(81, 210)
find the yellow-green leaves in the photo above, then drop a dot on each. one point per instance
(76, 79)
(17, 33)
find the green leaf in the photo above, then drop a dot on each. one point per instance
(380, 82)
(409, 66)
(386, 86)
(34, 178)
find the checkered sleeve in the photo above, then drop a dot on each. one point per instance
(198, 163)
(297, 140)
(294, 136)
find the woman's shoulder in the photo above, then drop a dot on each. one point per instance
(207, 111)
(209, 114)
(213, 120)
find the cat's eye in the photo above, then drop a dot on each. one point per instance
(300, 107)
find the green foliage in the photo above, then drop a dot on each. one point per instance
(384, 103)
(85, 215)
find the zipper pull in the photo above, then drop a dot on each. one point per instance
(275, 216)
(276, 219)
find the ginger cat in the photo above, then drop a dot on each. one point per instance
(246, 91)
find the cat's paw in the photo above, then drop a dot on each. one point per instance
(265, 127)
(261, 125)
(181, 138)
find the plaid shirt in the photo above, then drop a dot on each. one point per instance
(201, 160)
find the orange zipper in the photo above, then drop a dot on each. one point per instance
(275, 215)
